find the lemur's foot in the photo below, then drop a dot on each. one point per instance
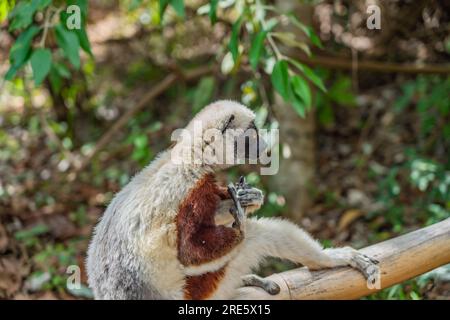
(357, 260)
(252, 280)
(365, 264)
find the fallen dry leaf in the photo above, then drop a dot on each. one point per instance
(348, 217)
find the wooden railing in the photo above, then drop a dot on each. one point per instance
(401, 258)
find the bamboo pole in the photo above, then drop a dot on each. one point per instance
(401, 258)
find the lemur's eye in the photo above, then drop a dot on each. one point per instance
(227, 124)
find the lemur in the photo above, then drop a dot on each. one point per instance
(174, 233)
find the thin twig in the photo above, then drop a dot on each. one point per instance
(48, 22)
(274, 47)
(46, 26)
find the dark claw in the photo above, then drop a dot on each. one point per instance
(374, 261)
(272, 288)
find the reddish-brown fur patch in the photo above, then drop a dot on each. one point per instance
(203, 286)
(199, 239)
(223, 193)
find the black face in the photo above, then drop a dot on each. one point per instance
(253, 143)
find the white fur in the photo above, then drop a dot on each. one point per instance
(137, 233)
(133, 253)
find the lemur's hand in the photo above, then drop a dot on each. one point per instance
(248, 196)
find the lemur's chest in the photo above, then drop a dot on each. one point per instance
(195, 217)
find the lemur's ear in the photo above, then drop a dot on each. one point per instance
(227, 124)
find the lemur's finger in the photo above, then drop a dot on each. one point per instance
(374, 261)
(237, 220)
(249, 193)
(250, 197)
(238, 213)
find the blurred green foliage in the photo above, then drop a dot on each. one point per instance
(55, 56)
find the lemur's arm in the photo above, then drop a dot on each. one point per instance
(200, 240)
(283, 239)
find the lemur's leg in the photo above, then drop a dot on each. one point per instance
(252, 280)
(282, 239)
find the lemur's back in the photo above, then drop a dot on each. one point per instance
(129, 249)
(115, 270)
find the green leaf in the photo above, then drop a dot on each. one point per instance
(83, 4)
(325, 112)
(22, 15)
(178, 5)
(21, 47)
(280, 79)
(42, 4)
(55, 79)
(289, 39)
(313, 37)
(41, 61)
(213, 11)
(256, 48)
(61, 70)
(306, 29)
(33, 232)
(234, 40)
(408, 92)
(134, 4)
(84, 40)
(9, 75)
(298, 105)
(301, 89)
(19, 52)
(341, 92)
(447, 45)
(162, 7)
(5, 7)
(270, 24)
(80, 33)
(309, 73)
(68, 41)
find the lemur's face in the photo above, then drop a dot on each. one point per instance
(243, 138)
(228, 135)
